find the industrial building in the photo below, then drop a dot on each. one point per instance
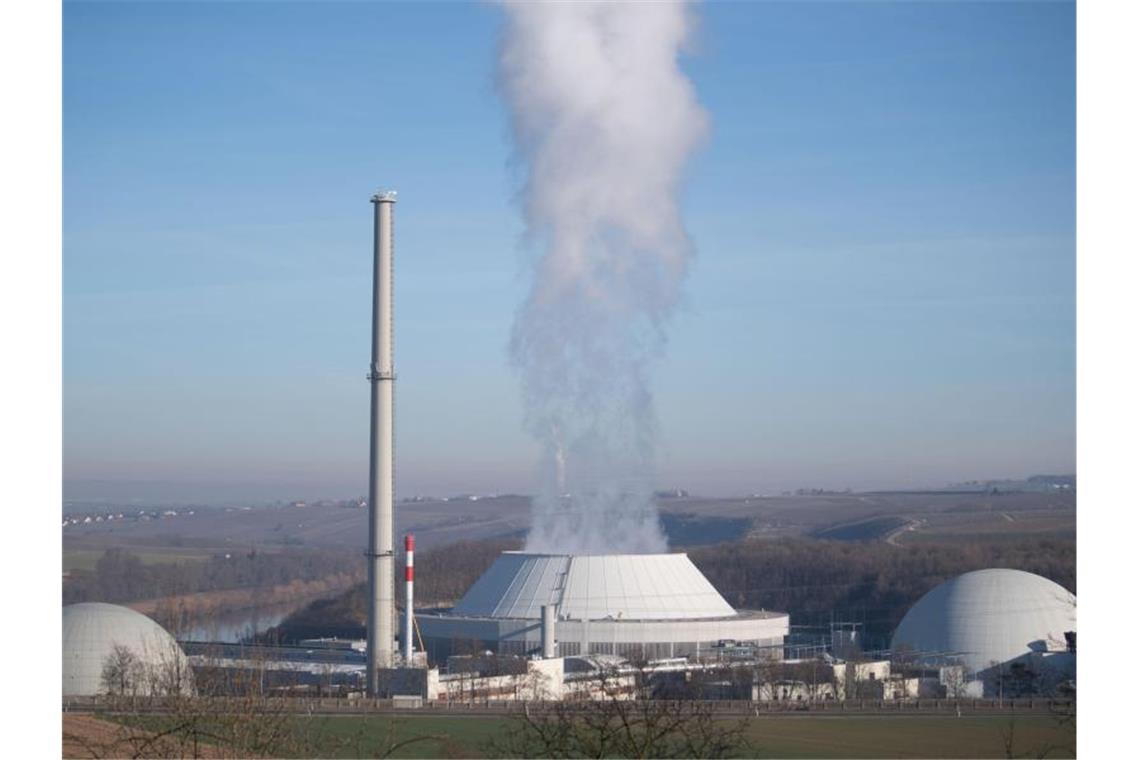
(640, 606)
(148, 658)
(992, 621)
(651, 608)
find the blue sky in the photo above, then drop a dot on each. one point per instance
(883, 293)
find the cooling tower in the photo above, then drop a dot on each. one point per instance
(632, 605)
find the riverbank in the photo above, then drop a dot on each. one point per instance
(187, 614)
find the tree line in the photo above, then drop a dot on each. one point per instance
(121, 576)
(875, 583)
(443, 576)
(809, 578)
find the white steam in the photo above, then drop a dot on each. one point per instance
(604, 120)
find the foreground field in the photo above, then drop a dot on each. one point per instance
(88, 736)
(814, 736)
(910, 736)
(770, 737)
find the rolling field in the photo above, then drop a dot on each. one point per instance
(688, 521)
(870, 529)
(771, 737)
(85, 559)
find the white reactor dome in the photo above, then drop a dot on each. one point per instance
(91, 633)
(988, 617)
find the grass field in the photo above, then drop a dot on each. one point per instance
(810, 736)
(864, 530)
(770, 737)
(85, 559)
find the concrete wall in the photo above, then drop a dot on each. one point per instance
(393, 682)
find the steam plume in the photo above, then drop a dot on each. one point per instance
(604, 121)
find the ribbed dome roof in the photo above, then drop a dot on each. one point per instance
(92, 630)
(987, 617)
(594, 587)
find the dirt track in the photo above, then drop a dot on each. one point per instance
(85, 736)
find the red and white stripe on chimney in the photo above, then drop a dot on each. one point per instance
(409, 582)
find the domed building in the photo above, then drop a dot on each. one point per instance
(626, 605)
(109, 648)
(990, 619)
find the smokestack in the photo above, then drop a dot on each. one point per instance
(409, 583)
(548, 645)
(381, 572)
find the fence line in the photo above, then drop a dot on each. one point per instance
(362, 706)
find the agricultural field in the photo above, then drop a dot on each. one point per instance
(782, 736)
(769, 737)
(85, 559)
(871, 529)
(910, 736)
(895, 517)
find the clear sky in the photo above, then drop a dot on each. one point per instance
(883, 293)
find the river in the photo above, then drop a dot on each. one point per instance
(237, 625)
(233, 627)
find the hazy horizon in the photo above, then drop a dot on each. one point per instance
(160, 492)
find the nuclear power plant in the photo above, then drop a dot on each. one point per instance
(563, 618)
(644, 606)
(553, 625)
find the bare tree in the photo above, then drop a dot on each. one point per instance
(811, 681)
(956, 681)
(620, 722)
(1045, 749)
(122, 672)
(228, 715)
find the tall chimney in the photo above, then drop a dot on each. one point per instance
(381, 570)
(409, 583)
